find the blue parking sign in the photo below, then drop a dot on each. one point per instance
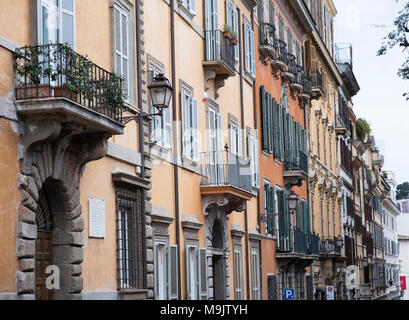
(289, 294)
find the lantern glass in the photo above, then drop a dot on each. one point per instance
(160, 92)
(292, 201)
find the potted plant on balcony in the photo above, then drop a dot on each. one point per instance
(227, 31)
(33, 66)
(233, 39)
(75, 75)
(113, 95)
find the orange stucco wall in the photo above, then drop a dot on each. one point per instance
(269, 168)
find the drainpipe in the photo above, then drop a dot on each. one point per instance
(242, 127)
(140, 122)
(175, 146)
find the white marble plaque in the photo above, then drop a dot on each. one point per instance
(96, 218)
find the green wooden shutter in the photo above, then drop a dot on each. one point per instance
(264, 117)
(270, 210)
(260, 14)
(271, 13)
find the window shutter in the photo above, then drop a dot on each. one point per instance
(188, 270)
(256, 162)
(203, 274)
(252, 156)
(121, 45)
(269, 123)
(233, 138)
(264, 119)
(236, 29)
(260, 14)
(192, 6)
(220, 148)
(167, 123)
(68, 22)
(195, 128)
(173, 272)
(275, 129)
(247, 47)
(271, 210)
(240, 142)
(271, 13)
(186, 102)
(253, 54)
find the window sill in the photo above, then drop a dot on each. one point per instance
(186, 11)
(249, 78)
(191, 165)
(160, 152)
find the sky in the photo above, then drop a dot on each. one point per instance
(364, 23)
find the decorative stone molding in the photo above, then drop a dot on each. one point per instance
(54, 156)
(228, 204)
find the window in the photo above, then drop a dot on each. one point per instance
(238, 274)
(235, 138)
(161, 127)
(269, 207)
(250, 62)
(190, 140)
(165, 271)
(196, 273)
(267, 103)
(255, 274)
(189, 5)
(130, 238)
(56, 22)
(254, 158)
(232, 21)
(121, 23)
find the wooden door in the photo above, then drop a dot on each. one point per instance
(43, 259)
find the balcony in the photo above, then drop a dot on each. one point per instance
(305, 95)
(317, 90)
(266, 44)
(295, 167)
(220, 54)
(55, 83)
(297, 84)
(279, 60)
(294, 243)
(342, 125)
(289, 74)
(226, 176)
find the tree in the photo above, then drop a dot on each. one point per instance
(363, 129)
(402, 191)
(399, 38)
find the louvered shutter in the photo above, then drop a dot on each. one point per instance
(173, 272)
(68, 22)
(220, 148)
(192, 6)
(270, 124)
(264, 119)
(236, 29)
(271, 210)
(276, 128)
(188, 276)
(121, 45)
(247, 47)
(256, 162)
(271, 13)
(260, 14)
(186, 105)
(195, 129)
(252, 156)
(252, 54)
(281, 215)
(167, 124)
(202, 274)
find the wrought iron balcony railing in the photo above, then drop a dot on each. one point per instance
(295, 241)
(342, 120)
(316, 79)
(307, 84)
(281, 50)
(57, 71)
(296, 161)
(219, 48)
(313, 244)
(267, 34)
(222, 168)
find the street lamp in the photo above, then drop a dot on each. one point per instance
(339, 242)
(161, 92)
(292, 201)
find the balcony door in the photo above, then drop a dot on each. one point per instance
(215, 154)
(212, 30)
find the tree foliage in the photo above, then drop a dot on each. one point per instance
(402, 191)
(399, 38)
(363, 129)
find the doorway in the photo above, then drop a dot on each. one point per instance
(43, 246)
(219, 277)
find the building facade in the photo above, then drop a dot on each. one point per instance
(77, 180)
